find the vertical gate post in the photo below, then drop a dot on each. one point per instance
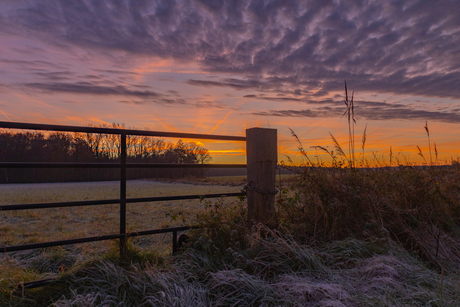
(261, 153)
(174, 242)
(123, 238)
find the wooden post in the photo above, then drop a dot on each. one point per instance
(261, 153)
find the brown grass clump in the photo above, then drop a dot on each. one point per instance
(419, 208)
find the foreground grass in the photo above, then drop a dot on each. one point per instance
(272, 270)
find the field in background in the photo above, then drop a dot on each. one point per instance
(235, 180)
(42, 225)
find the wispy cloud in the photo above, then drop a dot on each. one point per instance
(220, 122)
(387, 112)
(90, 88)
(4, 114)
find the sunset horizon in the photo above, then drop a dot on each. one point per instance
(222, 67)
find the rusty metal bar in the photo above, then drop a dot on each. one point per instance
(15, 248)
(59, 204)
(28, 126)
(113, 201)
(35, 283)
(112, 165)
(57, 165)
(6, 249)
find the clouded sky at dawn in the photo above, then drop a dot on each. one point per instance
(219, 67)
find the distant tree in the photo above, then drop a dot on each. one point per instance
(57, 147)
(93, 147)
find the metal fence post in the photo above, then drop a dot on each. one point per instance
(174, 242)
(261, 148)
(123, 238)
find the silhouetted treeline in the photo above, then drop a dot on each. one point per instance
(93, 147)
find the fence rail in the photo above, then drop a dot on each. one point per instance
(112, 165)
(123, 166)
(29, 126)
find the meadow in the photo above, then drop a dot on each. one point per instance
(42, 225)
(346, 237)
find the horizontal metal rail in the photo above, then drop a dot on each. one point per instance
(45, 282)
(16, 207)
(35, 283)
(28, 126)
(113, 165)
(16, 248)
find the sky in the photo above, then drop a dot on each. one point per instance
(220, 67)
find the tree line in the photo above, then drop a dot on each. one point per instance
(94, 147)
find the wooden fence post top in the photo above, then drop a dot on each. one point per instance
(266, 130)
(261, 144)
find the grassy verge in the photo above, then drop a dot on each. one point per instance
(272, 270)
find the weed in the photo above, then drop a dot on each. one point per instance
(350, 112)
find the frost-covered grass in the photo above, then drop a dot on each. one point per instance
(272, 270)
(388, 237)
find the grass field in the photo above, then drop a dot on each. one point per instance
(43, 225)
(31, 226)
(386, 237)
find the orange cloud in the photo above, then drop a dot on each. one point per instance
(232, 152)
(226, 116)
(34, 100)
(165, 125)
(168, 65)
(6, 115)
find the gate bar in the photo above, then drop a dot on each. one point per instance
(15, 248)
(113, 201)
(112, 165)
(28, 126)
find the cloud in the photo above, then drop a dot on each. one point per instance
(282, 97)
(114, 71)
(323, 112)
(231, 82)
(137, 94)
(34, 65)
(90, 88)
(401, 47)
(370, 111)
(57, 75)
(135, 102)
